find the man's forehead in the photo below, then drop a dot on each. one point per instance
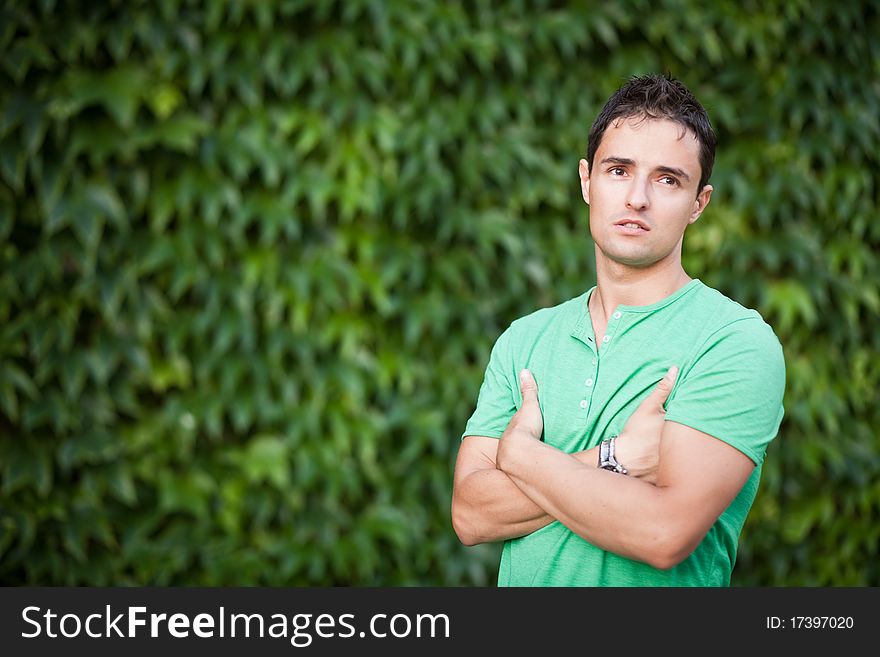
(641, 137)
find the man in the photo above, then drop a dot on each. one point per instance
(574, 387)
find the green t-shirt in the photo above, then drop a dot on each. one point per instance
(730, 386)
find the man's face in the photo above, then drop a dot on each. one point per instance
(642, 191)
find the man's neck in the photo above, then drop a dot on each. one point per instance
(618, 285)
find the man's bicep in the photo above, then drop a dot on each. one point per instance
(734, 389)
(701, 476)
(474, 453)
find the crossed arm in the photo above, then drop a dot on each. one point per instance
(683, 479)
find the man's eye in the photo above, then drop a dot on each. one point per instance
(617, 171)
(669, 180)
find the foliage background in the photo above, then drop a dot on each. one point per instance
(253, 257)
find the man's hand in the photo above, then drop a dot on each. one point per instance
(638, 445)
(526, 424)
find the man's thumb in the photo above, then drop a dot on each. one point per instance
(527, 385)
(661, 392)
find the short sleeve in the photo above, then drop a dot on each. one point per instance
(733, 389)
(496, 403)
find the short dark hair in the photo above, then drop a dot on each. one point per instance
(658, 97)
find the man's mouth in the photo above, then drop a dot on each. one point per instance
(632, 225)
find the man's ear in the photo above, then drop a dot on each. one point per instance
(700, 203)
(584, 172)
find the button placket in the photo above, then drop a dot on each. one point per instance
(589, 387)
(611, 328)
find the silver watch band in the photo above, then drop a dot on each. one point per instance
(607, 457)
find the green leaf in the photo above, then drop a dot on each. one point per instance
(266, 459)
(12, 160)
(119, 90)
(27, 468)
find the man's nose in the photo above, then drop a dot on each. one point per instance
(638, 195)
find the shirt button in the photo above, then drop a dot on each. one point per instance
(588, 382)
(594, 361)
(617, 315)
(606, 339)
(584, 403)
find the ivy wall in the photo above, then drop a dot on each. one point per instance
(253, 257)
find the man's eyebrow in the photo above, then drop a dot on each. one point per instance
(625, 161)
(618, 160)
(675, 172)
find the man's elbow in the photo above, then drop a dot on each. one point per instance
(464, 527)
(666, 560)
(670, 550)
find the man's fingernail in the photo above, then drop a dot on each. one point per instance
(524, 376)
(671, 372)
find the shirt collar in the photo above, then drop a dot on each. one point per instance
(582, 326)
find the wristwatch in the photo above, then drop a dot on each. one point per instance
(607, 461)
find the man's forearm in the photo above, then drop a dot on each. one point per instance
(622, 513)
(489, 506)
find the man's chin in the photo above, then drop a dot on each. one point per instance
(635, 260)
